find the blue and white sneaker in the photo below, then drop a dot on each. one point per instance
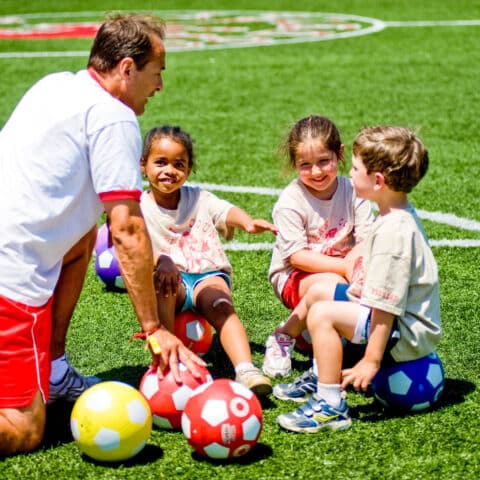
(72, 385)
(316, 415)
(300, 390)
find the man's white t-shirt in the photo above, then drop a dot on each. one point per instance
(331, 227)
(68, 146)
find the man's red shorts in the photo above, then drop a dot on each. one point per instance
(25, 334)
(290, 295)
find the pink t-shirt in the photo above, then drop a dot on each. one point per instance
(330, 227)
(189, 234)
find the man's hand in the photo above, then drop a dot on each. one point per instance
(167, 350)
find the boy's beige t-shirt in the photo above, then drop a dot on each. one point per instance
(400, 276)
(189, 234)
(330, 227)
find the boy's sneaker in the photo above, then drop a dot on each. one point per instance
(253, 379)
(277, 361)
(72, 385)
(299, 390)
(316, 415)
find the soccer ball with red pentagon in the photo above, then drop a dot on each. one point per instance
(111, 422)
(222, 419)
(166, 397)
(194, 331)
(410, 386)
(303, 343)
(106, 263)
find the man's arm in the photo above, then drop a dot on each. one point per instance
(134, 252)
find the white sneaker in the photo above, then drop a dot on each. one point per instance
(277, 361)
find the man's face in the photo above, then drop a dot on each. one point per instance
(142, 84)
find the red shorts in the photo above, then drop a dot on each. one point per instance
(24, 352)
(290, 295)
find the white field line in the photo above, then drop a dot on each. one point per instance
(435, 23)
(438, 217)
(377, 25)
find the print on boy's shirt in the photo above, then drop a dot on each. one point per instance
(357, 280)
(384, 294)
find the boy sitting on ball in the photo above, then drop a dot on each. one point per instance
(394, 305)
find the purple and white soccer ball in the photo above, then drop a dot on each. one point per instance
(410, 386)
(106, 264)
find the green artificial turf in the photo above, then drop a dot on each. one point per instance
(238, 104)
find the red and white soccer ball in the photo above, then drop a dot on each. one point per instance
(194, 331)
(303, 342)
(222, 419)
(166, 397)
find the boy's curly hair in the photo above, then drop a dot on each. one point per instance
(396, 152)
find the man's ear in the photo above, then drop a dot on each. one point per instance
(126, 66)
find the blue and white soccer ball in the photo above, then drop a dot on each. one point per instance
(106, 264)
(410, 386)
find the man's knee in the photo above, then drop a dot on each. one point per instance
(22, 429)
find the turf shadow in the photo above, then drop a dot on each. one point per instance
(57, 429)
(149, 454)
(454, 392)
(260, 452)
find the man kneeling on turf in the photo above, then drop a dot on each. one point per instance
(68, 153)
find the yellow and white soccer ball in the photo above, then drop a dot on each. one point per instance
(111, 422)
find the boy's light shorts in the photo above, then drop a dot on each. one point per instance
(25, 334)
(362, 329)
(191, 280)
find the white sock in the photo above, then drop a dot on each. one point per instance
(314, 367)
(243, 366)
(330, 392)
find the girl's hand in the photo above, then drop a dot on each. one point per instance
(259, 225)
(353, 262)
(166, 277)
(360, 375)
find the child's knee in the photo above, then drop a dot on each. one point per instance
(319, 291)
(315, 316)
(219, 310)
(222, 307)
